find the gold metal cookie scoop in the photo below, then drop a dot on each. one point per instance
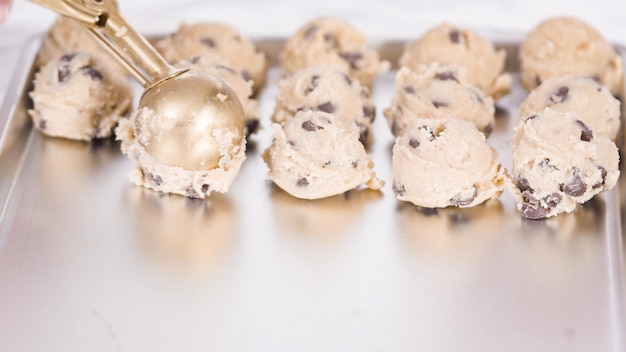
(191, 114)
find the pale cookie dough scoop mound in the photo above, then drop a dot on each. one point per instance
(219, 39)
(592, 102)
(445, 162)
(558, 162)
(336, 43)
(328, 90)
(452, 45)
(213, 65)
(180, 174)
(562, 46)
(437, 91)
(312, 157)
(79, 97)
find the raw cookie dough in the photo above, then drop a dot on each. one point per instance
(65, 36)
(562, 46)
(138, 131)
(452, 45)
(328, 90)
(213, 65)
(79, 97)
(219, 39)
(591, 101)
(559, 162)
(437, 91)
(312, 157)
(445, 162)
(336, 43)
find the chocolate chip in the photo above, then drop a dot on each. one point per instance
(43, 124)
(309, 126)
(205, 188)
(326, 164)
(596, 79)
(210, 42)
(326, 107)
(531, 117)
(369, 112)
(347, 78)
(532, 208)
(156, 179)
(559, 95)
(455, 36)
(227, 68)
(191, 192)
(68, 57)
(330, 39)
(245, 74)
(398, 190)
(302, 182)
(439, 104)
(409, 90)
(93, 73)
(586, 135)
(364, 133)
(446, 76)
(291, 143)
(488, 129)
(552, 199)
(352, 58)
(546, 165)
(310, 32)
(523, 186)
(315, 80)
(574, 187)
(64, 74)
(603, 174)
(414, 143)
(429, 130)
(461, 201)
(537, 81)
(355, 164)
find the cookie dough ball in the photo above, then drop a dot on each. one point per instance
(562, 46)
(328, 90)
(336, 43)
(312, 157)
(77, 96)
(445, 162)
(559, 162)
(66, 36)
(191, 157)
(592, 102)
(213, 65)
(452, 45)
(437, 91)
(219, 39)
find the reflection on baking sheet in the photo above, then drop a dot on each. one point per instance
(183, 232)
(446, 232)
(324, 218)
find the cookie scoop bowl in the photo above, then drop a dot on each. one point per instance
(196, 119)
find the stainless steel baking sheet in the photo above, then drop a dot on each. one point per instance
(90, 263)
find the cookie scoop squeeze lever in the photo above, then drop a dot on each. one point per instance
(192, 114)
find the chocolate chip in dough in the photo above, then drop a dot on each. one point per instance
(302, 182)
(93, 73)
(462, 201)
(43, 124)
(327, 107)
(553, 199)
(191, 192)
(205, 188)
(439, 104)
(586, 135)
(308, 125)
(398, 190)
(68, 57)
(532, 208)
(574, 187)
(64, 74)
(245, 74)
(523, 186)
(409, 90)
(488, 129)
(414, 143)
(313, 83)
(446, 76)
(209, 42)
(455, 36)
(352, 58)
(369, 112)
(603, 174)
(560, 95)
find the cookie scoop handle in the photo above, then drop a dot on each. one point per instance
(102, 19)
